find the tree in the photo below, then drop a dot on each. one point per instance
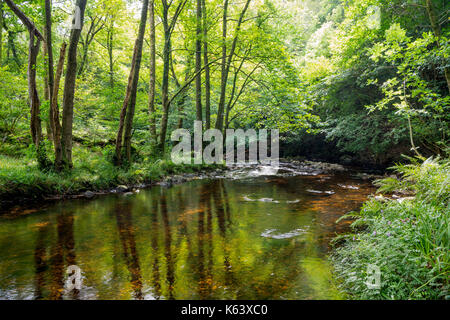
(130, 99)
(152, 67)
(198, 63)
(35, 38)
(1, 32)
(168, 27)
(49, 53)
(69, 86)
(54, 121)
(207, 69)
(227, 59)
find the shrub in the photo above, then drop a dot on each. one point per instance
(408, 239)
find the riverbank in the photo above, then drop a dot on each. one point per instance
(405, 235)
(22, 182)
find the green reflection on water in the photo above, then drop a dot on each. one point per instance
(260, 238)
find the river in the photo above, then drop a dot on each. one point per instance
(251, 234)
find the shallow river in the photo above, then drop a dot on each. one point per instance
(251, 235)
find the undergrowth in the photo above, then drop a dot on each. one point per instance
(21, 178)
(407, 238)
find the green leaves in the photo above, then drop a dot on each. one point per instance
(396, 35)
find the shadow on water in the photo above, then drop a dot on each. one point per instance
(255, 238)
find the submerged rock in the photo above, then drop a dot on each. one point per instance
(348, 187)
(89, 194)
(121, 189)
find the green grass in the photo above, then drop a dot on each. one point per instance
(407, 240)
(20, 178)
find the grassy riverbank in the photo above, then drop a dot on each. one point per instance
(408, 238)
(21, 179)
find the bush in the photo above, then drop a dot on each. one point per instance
(408, 239)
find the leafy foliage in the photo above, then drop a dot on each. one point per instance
(407, 239)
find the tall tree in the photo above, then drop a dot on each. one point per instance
(207, 69)
(168, 30)
(224, 76)
(198, 63)
(1, 32)
(227, 59)
(123, 112)
(69, 85)
(133, 88)
(54, 121)
(49, 52)
(35, 38)
(152, 84)
(110, 49)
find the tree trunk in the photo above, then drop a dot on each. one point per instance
(224, 76)
(33, 51)
(109, 44)
(152, 85)
(36, 130)
(226, 64)
(207, 70)
(132, 105)
(49, 51)
(54, 121)
(69, 90)
(165, 80)
(123, 112)
(198, 64)
(1, 32)
(168, 29)
(47, 97)
(437, 32)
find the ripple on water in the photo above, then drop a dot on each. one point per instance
(320, 192)
(268, 200)
(348, 187)
(281, 236)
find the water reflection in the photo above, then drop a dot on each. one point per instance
(40, 260)
(124, 221)
(201, 240)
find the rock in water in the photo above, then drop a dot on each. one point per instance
(89, 194)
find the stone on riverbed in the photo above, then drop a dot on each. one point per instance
(121, 189)
(89, 194)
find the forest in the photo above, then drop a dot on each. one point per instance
(92, 90)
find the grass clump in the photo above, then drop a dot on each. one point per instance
(408, 239)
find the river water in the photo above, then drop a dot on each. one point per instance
(252, 234)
